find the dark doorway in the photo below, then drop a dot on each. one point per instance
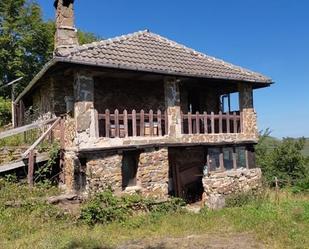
(186, 173)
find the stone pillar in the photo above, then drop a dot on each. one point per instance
(152, 173)
(71, 166)
(172, 106)
(66, 33)
(249, 119)
(84, 112)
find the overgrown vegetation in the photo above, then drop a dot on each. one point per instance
(105, 207)
(284, 160)
(27, 220)
(5, 111)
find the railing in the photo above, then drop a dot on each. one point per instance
(210, 123)
(132, 124)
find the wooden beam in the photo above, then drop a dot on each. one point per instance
(22, 129)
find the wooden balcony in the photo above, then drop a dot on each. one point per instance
(133, 124)
(211, 123)
(154, 124)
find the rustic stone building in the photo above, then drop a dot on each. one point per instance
(145, 114)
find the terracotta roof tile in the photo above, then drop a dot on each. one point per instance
(145, 50)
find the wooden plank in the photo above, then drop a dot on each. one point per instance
(151, 122)
(220, 122)
(197, 124)
(212, 117)
(20, 164)
(228, 128)
(205, 123)
(31, 161)
(25, 128)
(41, 138)
(107, 123)
(117, 130)
(142, 123)
(190, 122)
(159, 122)
(235, 122)
(125, 123)
(134, 122)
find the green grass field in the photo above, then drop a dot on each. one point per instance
(36, 224)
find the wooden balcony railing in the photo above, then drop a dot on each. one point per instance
(132, 124)
(210, 123)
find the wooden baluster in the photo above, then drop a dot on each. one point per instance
(228, 128)
(107, 123)
(117, 123)
(235, 122)
(182, 122)
(134, 122)
(31, 161)
(220, 122)
(241, 122)
(189, 122)
(125, 123)
(151, 122)
(212, 122)
(142, 123)
(159, 122)
(197, 124)
(205, 123)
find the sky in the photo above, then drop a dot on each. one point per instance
(267, 36)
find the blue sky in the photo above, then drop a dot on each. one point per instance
(268, 36)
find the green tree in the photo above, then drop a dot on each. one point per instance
(26, 42)
(282, 159)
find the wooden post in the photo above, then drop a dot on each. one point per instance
(197, 116)
(235, 122)
(134, 122)
(142, 123)
(125, 123)
(234, 158)
(212, 123)
(151, 122)
(31, 159)
(107, 123)
(190, 122)
(228, 129)
(117, 123)
(205, 123)
(221, 159)
(220, 122)
(159, 123)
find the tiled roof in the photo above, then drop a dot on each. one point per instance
(146, 51)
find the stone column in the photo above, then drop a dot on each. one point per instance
(172, 106)
(84, 112)
(249, 119)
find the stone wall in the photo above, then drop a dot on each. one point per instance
(104, 170)
(128, 94)
(218, 185)
(152, 173)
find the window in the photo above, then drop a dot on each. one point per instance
(129, 168)
(228, 158)
(214, 158)
(241, 157)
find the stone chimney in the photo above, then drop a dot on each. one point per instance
(66, 33)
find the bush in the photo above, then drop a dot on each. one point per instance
(105, 207)
(245, 198)
(283, 160)
(5, 111)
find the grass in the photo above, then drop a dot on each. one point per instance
(38, 225)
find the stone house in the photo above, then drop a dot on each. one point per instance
(144, 113)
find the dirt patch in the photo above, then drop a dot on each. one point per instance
(208, 241)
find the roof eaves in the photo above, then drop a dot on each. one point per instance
(47, 66)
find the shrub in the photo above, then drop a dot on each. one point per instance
(105, 207)
(245, 198)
